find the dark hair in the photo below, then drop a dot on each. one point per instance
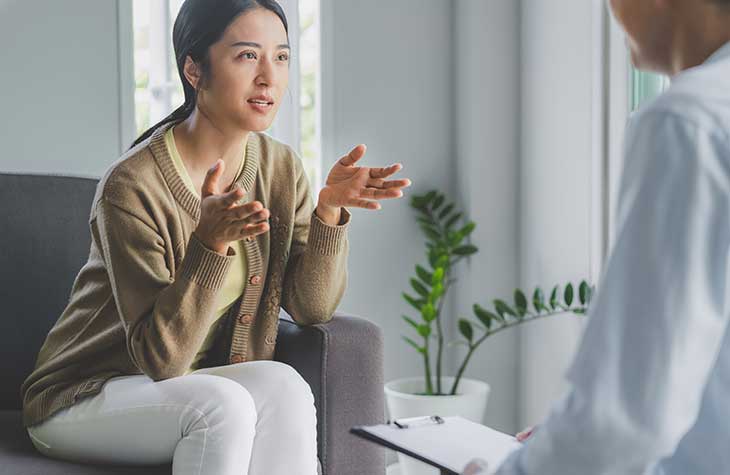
(200, 24)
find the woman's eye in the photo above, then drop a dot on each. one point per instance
(248, 55)
(283, 57)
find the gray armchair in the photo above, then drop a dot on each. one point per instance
(44, 241)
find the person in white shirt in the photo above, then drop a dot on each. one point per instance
(650, 384)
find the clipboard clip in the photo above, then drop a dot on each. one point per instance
(418, 421)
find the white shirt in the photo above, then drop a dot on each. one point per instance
(650, 384)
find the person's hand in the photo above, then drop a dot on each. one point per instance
(348, 185)
(476, 466)
(525, 434)
(222, 220)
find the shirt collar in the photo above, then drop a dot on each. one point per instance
(719, 55)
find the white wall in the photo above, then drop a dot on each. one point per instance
(393, 92)
(557, 151)
(60, 86)
(487, 54)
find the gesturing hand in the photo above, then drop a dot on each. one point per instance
(222, 220)
(349, 185)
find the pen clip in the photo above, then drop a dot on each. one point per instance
(418, 421)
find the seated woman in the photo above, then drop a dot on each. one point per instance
(200, 232)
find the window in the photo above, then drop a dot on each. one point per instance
(158, 90)
(645, 86)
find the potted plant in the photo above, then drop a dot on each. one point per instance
(446, 232)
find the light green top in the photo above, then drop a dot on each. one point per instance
(235, 281)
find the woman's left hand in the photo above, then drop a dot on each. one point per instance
(349, 185)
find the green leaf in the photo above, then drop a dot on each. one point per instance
(414, 345)
(418, 287)
(502, 308)
(438, 276)
(554, 298)
(417, 304)
(428, 312)
(418, 202)
(434, 257)
(583, 293)
(466, 250)
(424, 275)
(445, 211)
(430, 232)
(466, 329)
(437, 202)
(485, 316)
(428, 197)
(454, 239)
(520, 303)
(579, 311)
(437, 291)
(467, 230)
(538, 300)
(424, 330)
(410, 321)
(568, 295)
(452, 220)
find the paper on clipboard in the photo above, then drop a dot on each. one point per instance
(452, 444)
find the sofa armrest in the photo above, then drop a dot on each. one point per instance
(342, 361)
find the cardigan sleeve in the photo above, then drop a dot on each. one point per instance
(165, 317)
(315, 278)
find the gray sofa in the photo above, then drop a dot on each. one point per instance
(44, 241)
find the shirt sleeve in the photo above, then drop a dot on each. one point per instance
(658, 319)
(315, 278)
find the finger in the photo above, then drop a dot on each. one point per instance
(386, 171)
(383, 184)
(525, 434)
(355, 154)
(255, 218)
(232, 197)
(359, 203)
(253, 229)
(376, 194)
(210, 184)
(244, 211)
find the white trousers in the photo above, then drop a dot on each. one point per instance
(255, 418)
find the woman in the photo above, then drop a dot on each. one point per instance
(164, 349)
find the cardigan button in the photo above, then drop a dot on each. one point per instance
(245, 319)
(249, 238)
(255, 279)
(237, 358)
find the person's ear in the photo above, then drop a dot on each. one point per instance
(192, 72)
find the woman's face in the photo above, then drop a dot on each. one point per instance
(249, 72)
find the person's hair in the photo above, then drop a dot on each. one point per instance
(200, 24)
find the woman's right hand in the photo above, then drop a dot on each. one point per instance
(222, 221)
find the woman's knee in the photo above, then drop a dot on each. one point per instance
(287, 385)
(222, 400)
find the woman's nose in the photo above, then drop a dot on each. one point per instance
(265, 74)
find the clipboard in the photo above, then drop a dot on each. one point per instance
(447, 443)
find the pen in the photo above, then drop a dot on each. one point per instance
(418, 421)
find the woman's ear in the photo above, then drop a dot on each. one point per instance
(192, 72)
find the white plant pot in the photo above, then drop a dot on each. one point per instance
(404, 400)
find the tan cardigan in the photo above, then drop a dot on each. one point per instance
(144, 301)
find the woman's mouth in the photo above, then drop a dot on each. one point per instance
(261, 105)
